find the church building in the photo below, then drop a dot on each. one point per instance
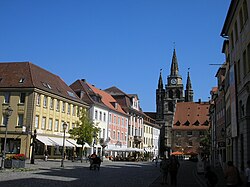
(167, 98)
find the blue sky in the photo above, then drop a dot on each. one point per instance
(122, 43)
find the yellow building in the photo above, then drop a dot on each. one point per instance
(40, 100)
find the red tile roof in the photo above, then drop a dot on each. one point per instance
(107, 99)
(11, 74)
(197, 114)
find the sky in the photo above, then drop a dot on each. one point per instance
(122, 43)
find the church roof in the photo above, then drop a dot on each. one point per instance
(191, 115)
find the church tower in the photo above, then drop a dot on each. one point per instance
(166, 100)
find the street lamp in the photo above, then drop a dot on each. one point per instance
(8, 111)
(64, 129)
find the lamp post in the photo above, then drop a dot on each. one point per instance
(64, 129)
(8, 111)
(32, 159)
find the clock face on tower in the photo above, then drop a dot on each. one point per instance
(173, 81)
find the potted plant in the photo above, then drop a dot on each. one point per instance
(15, 161)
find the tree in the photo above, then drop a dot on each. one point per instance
(206, 143)
(85, 130)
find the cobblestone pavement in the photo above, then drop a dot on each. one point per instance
(111, 174)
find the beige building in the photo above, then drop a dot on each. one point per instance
(236, 30)
(40, 100)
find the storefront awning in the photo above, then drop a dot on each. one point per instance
(72, 141)
(59, 142)
(45, 140)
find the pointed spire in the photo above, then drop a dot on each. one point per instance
(174, 65)
(189, 92)
(188, 85)
(160, 82)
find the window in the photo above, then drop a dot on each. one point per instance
(7, 97)
(12, 145)
(103, 133)
(232, 40)
(62, 126)
(38, 100)
(100, 116)
(74, 111)
(21, 80)
(241, 20)
(118, 136)
(202, 133)
(248, 58)
(178, 134)
(73, 125)
(238, 71)
(58, 105)
(245, 63)
(63, 107)
(96, 114)
(110, 118)
(45, 102)
(56, 125)
(50, 124)
(236, 30)
(113, 134)
(51, 104)
(4, 120)
(36, 122)
(22, 98)
(69, 108)
(122, 121)
(104, 116)
(245, 11)
(20, 120)
(177, 144)
(189, 133)
(43, 123)
(114, 119)
(190, 144)
(119, 121)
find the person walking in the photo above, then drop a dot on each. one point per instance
(173, 169)
(212, 178)
(46, 154)
(247, 173)
(231, 175)
(164, 164)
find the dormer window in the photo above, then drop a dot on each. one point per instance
(206, 123)
(187, 123)
(196, 123)
(21, 80)
(177, 123)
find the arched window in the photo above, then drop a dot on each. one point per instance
(170, 106)
(170, 94)
(178, 94)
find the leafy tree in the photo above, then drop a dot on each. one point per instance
(206, 143)
(85, 131)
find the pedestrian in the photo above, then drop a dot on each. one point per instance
(212, 178)
(173, 169)
(164, 164)
(46, 154)
(231, 175)
(247, 172)
(156, 161)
